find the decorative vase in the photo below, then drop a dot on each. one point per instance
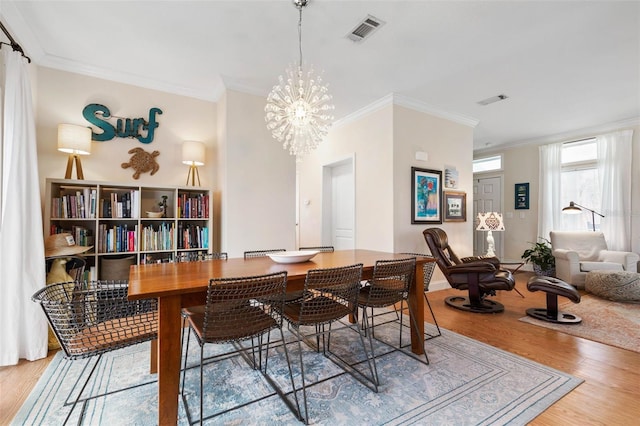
(544, 272)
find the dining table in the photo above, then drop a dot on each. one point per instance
(183, 284)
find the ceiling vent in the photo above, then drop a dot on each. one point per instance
(365, 28)
(493, 99)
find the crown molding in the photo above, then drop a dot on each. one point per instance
(364, 111)
(566, 136)
(420, 106)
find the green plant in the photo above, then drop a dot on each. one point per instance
(541, 254)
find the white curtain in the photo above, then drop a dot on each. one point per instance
(23, 328)
(549, 208)
(614, 175)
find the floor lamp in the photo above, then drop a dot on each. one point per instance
(490, 221)
(575, 208)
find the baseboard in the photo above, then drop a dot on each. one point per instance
(439, 285)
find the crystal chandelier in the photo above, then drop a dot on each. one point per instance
(298, 110)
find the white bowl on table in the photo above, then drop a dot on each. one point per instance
(298, 256)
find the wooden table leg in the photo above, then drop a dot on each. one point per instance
(168, 359)
(416, 301)
(153, 365)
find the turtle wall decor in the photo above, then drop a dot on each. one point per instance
(142, 162)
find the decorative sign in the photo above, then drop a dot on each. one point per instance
(522, 196)
(97, 114)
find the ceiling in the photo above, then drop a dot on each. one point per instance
(564, 65)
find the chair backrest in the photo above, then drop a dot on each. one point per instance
(200, 256)
(438, 243)
(260, 253)
(242, 307)
(427, 268)
(587, 244)
(94, 317)
(332, 293)
(391, 281)
(324, 249)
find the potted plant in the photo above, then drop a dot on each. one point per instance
(540, 255)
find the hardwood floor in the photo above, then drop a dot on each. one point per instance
(608, 396)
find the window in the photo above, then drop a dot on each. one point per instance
(487, 164)
(579, 183)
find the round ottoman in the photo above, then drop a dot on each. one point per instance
(620, 286)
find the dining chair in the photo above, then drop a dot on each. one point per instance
(238, 310)
(330, 295)
(91, 318)
(322, 249)
(260, 253)
(427, 272)
(390, 285)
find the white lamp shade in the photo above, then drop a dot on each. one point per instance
(193, 153)
(490, 221)
(74, 139)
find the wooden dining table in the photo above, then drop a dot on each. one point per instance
(178, 285)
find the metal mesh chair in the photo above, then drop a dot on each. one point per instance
(91, 318)
(390, 285)
(427, 272)
(324, 249)
(260, 253)
(330, 295)
(236, 311)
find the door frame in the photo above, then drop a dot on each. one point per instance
(490, 175)
(327, 208)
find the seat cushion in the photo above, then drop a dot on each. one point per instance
(595, 266)
(618, 286)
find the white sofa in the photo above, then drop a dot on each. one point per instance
(579, 252)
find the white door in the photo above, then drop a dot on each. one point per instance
(487, 197)
(338, 208)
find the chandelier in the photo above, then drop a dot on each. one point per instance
(298, 110)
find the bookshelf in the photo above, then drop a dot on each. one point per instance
(112, 217)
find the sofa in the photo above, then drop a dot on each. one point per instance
(579, 252)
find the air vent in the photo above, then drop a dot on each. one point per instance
(365, 28)
(493, 99)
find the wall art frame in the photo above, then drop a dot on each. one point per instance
(455, 206)
(426, 196)
(522, 196)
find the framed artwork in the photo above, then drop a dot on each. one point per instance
(455, 206)
(426, 194)
(522, 196)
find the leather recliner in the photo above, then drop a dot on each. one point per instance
(480, 276)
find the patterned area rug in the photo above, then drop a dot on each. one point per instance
(467, 382)
(612, 323)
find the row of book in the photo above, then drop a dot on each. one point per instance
(193, 206)
(117, 238)
(81, 235)
(157, 237)
(125, 205)
(79, 205)
(192, 236)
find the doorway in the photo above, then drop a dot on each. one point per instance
(487, 197)
(338, 204)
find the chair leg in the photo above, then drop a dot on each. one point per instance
(435, 321)
(86, 382)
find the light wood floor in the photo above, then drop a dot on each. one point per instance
(609, 395)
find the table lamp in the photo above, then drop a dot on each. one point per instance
(490, 221)
(193, 156)
(75, 141)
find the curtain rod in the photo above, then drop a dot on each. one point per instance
(14, 45)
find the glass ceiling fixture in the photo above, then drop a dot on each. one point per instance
(298, 110)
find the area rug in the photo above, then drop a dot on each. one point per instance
(466, 382)
(612, 323)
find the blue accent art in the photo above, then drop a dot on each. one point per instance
(98, 114)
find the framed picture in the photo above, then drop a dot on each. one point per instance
(455, 206)
(426, 193)
(522, 196)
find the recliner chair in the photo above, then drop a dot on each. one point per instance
(478, 275)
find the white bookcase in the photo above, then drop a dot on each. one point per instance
(112, 217)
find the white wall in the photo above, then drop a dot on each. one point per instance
(369, 140)
(258, 195)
